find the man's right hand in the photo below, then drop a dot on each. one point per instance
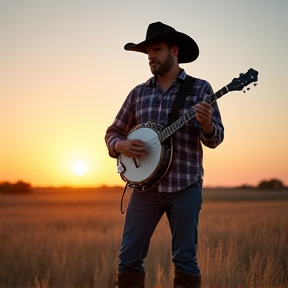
(134, 148)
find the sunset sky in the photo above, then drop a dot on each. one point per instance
(64, 75)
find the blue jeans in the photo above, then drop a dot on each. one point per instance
(144, 212)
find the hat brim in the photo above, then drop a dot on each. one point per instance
(188, 48)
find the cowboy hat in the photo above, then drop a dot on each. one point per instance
(188, 49)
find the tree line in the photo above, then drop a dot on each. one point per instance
(273, 184)
(24, 187)
(15, 188)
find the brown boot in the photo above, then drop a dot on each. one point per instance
(184, 280)
(130, 280)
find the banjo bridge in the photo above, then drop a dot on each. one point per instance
(136, 162)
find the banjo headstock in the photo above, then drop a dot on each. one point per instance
(237, 84)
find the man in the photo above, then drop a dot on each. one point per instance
(178, 194)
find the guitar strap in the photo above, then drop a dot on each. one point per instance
(178, 103)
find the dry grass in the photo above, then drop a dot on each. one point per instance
(70, 238)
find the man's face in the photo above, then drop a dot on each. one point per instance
(160, 58)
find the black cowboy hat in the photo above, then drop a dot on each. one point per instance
(188, 49)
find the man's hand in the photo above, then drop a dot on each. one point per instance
(132, 148)
(203, 113)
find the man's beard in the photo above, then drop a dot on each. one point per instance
(162, 68)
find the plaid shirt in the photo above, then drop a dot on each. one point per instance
(148, 102)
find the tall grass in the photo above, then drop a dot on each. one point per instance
(70, 239)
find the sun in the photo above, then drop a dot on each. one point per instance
(80, 168)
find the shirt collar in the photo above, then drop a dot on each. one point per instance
(181, 76)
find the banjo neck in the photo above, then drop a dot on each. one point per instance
(237, 84)
(182, 120)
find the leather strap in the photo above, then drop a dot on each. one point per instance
(178, 103)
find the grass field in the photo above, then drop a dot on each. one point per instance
(70, 238)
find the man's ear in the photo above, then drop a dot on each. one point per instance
(175, 51)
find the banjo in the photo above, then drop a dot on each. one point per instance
(147, 171)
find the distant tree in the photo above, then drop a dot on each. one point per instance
(18, 187)
(271, 184)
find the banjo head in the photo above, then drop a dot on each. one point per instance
(139, 171)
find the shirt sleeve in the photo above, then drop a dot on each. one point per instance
(218, 136)
(123, 123)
